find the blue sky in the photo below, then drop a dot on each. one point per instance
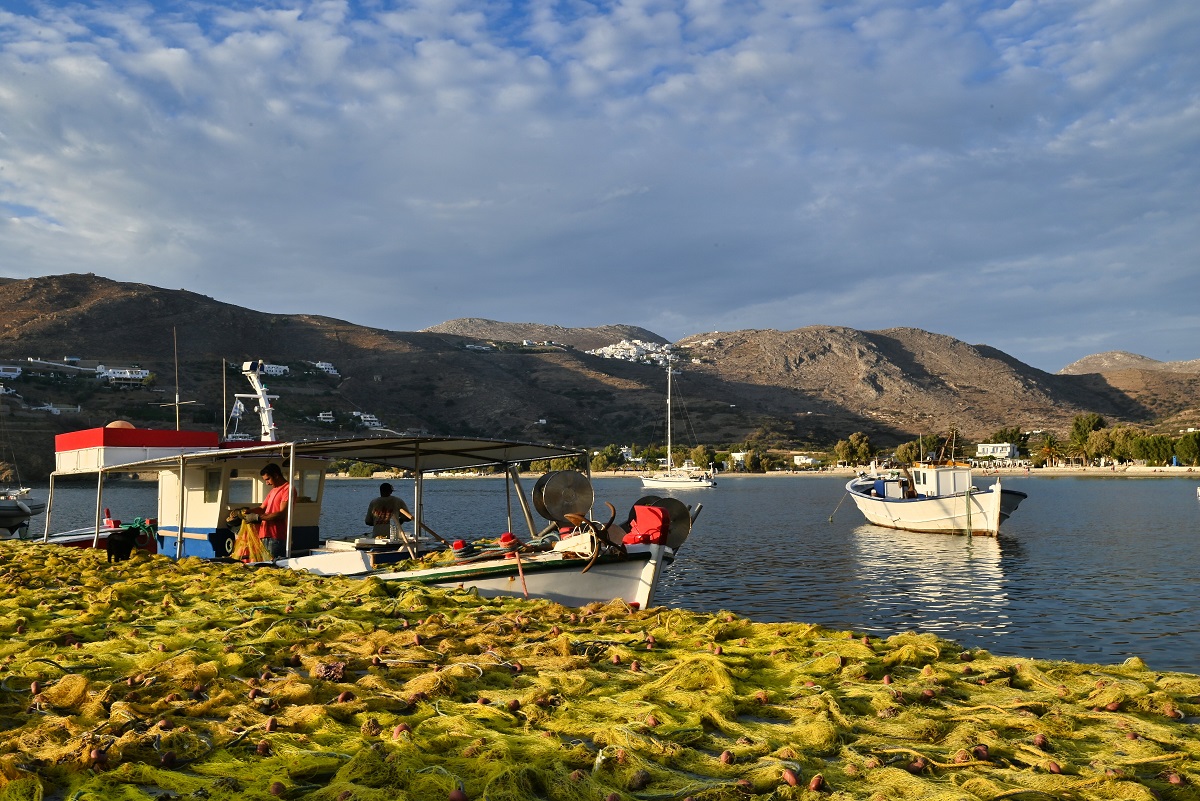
(1022, 175)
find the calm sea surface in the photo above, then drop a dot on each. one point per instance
(1088, 569)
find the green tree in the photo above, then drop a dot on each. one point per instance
(863, 452)
(702, 455)
(1188, 449)
(1082, 428)
(1100, 444)
(908, 452)
(1156, 449)
(1124, 442)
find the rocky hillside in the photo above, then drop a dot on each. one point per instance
(1117, 360)
(807, 387)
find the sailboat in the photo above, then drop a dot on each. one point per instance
(686, 477)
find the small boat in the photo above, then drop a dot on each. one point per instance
(139, 534)
(16, 507)
(686, 477)
(933, 497)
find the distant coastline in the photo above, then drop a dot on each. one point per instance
(1137, 471)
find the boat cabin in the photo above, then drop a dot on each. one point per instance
(935, 481)
(201, 482)
(211, 491)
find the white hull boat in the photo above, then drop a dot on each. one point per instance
(555, 576)
(687, 477)
(16, 507)
(933, 499)
(677, 479)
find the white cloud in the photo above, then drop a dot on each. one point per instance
(680, 165)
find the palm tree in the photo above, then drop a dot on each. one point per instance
(1051, 450)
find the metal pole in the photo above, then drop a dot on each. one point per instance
(418, 494)
(512, 471)
(49, 510)
(182, 509)
(99, 506)
(291, 496)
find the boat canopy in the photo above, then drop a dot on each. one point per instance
(417, 454)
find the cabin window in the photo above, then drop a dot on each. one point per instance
(306, 484)
(241, 491)
(212, 486)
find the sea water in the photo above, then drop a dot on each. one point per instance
(1088, 569)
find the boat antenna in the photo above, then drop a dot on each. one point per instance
(177, 402)
(224, 400)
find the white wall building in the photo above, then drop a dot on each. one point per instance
(123, 376)
(996, 450)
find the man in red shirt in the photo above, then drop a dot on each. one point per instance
(272, 515)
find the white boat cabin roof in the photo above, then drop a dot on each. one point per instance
(418, 454)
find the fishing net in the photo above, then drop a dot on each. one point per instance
(248, 547)
(151, 679)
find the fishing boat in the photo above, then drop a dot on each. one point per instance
(689, 476)
(573, 559)
(16, 507)
(933, 497)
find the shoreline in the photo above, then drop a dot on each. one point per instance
(1127, 471)
(1138, 471)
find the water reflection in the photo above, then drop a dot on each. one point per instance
(931, 582)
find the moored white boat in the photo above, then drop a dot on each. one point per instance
(680, 478)
(933, 498)
(16, 507)
(686, 477)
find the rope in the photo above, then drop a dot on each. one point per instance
(839, 506)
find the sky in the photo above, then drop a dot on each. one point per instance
(1023, 175)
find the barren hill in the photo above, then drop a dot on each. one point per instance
(898, 382)
(1116, 360)
(807, 387)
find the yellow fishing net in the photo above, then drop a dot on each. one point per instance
(248, 547)
(152, 679)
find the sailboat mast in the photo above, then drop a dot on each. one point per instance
(670, 457)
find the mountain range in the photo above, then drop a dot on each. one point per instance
(800, 389)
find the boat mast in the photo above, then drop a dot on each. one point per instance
(670, 456)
